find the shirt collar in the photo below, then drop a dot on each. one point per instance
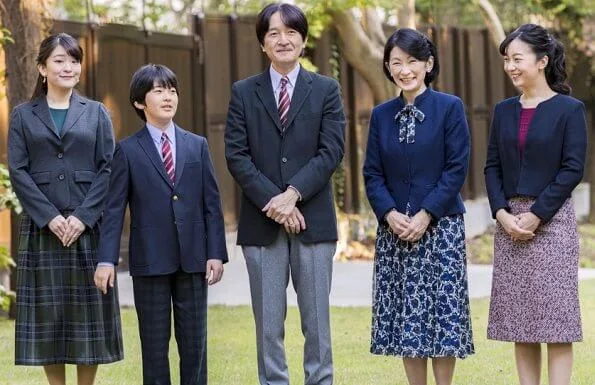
(292, 76)
(156, 132)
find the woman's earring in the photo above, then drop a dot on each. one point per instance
(44, 79)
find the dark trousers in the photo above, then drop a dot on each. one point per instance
(153, 298)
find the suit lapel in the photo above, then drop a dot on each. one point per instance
(148, 146)
(75, 110)
(303, 86)
(42, 111)
(264, 90)
(180, 152)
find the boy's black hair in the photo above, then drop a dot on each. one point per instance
(145, 79)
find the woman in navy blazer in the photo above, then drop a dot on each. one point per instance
(416, 163)
(536, 157)
(60, 148)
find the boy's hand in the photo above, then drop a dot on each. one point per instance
(104, 276)
(214, 271)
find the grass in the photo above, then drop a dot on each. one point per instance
(232, 351)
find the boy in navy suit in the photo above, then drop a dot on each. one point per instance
(177, 235)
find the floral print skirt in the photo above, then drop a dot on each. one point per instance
(420, 298)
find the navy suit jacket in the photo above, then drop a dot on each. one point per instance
(553, 161)
(426, 174)
(172, 226)
(264, 160)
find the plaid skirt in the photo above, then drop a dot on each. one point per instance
(62, 318)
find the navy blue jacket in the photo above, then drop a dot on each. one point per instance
(426, 174)
(553, 160)
(172, 226)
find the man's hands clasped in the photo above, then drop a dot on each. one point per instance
(281, 208)
(68, 230)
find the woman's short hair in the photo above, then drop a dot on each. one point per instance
(415, 44)
(145, 79)
(543, 43)
(291, 15)
(47, 46)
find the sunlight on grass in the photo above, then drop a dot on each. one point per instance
(232, 351)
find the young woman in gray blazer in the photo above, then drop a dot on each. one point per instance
(60, 147)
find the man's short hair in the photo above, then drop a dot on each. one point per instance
(291, 15)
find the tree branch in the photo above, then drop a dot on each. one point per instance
(373, 26)
(362, 53)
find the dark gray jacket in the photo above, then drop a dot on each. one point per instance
(53, 173)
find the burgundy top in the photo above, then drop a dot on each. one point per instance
(526, 116)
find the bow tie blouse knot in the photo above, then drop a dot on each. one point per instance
(405, 120)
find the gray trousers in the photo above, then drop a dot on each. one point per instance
(269, 268)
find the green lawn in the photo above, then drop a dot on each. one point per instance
(232, 351)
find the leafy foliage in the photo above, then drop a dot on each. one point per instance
(7, 200)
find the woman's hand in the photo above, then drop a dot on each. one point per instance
(75, 229)
(528, 221)
(398, 222)
(58, 226)
(417, 226)
(510, 224)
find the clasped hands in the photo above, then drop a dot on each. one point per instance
(66, 229)
(281, 208)
(407, 228)
(520, 227)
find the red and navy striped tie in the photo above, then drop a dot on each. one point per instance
(283, 102)
(168, 159)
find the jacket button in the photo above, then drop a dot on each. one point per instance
(406, 181)
(284, 160)
(175, 197)
(60, 156)
(61, 176)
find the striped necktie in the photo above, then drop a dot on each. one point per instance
(283, 102)
(168, 159)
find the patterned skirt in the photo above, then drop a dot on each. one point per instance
(535, 283)
(421, 303)
(62, 318)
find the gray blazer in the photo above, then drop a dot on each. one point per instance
(53, 173)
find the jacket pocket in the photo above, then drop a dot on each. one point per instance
(41, 177)
(43, 181)
(84, 176)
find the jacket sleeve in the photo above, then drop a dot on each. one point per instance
(34, 202)
(574, 151)
(90, 210)
(216, 245)
(113, 215)
(493, 170)
(456, 163)
(255, 185)
(374, 176)
(317, 172)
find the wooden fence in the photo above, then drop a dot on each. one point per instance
(223, 49)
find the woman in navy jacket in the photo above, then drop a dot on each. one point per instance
(536, 157)
(416, 163)
(60, 148)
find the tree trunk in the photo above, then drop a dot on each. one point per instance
(362, 53)
(29, 22)
(407, 14)
(491, 20)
